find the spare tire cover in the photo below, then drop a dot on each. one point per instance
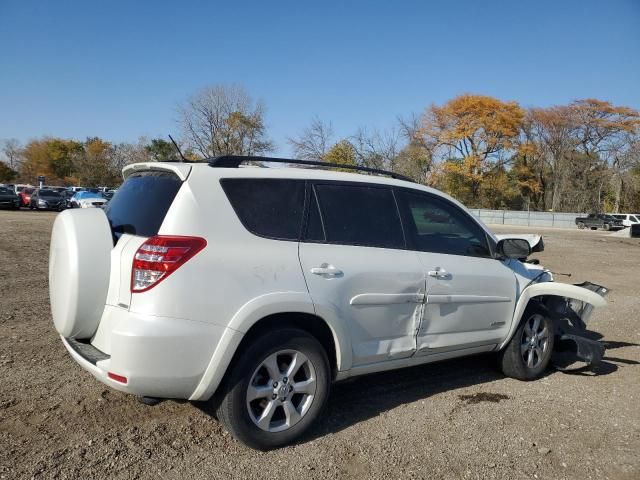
(79, 270)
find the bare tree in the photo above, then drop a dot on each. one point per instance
(376, 149)
(415, 159)
(124, 154)
(224, 120)
(13, 151)
(314, 142)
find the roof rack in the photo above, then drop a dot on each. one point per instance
(234, 161)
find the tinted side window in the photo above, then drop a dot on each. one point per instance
(436, 225)
(141, 203)
(267, 207)
(360, 215)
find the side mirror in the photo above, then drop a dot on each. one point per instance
(517, 248)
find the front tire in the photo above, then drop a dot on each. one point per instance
(527, 355)
(277, 388)
(580, 225)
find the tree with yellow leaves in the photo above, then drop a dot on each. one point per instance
(475, 135)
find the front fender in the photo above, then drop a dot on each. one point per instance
(551, 289)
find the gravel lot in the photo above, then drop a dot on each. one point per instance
(458, 419)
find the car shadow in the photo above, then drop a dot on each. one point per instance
(359, 399)
(362, 398)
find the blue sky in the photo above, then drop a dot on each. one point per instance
(118, 69)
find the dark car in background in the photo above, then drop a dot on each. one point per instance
(599, 220)
(8, 198)
(67, 194)
(47, 199)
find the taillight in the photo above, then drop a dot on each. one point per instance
(159, 257)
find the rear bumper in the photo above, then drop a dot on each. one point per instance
(159, 356)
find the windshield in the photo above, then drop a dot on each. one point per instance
(5, 190)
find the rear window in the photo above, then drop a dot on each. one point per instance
(142, 202)
(267, 207)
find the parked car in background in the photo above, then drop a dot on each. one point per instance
(599, 220)
(255, 288)
(67, 194)
(8, 198)
(87, 199)
(25, 195)
(109, 194)
(628, 219)
(46, 199)
(18, 187)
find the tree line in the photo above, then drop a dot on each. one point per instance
(486, 152)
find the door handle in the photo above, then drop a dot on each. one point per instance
(438, 273)
(326, 270)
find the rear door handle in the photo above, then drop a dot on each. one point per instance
(439, 273)
(326, 270)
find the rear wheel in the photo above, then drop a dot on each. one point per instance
(528, 353)
(606, 226)
(277, 388)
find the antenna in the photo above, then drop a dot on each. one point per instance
(178, 149)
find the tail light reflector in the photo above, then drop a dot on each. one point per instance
(117, 378)
(160, 256)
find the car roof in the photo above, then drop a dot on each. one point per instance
(184, 170)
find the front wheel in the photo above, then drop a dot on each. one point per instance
(580, 225)
(528, 353)
(277, 388)
(606, 226)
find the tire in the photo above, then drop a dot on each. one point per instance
(606, 226)
(515, 361)
(580, 225)
(240, 415)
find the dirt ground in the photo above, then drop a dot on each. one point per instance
(458, 419)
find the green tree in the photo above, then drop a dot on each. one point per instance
(161, 150)
(7, 173)
(342, 152)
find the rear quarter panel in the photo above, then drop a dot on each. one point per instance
(233, 269)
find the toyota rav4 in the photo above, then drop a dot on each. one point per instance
(256, 288)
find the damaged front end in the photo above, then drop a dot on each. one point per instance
(574, 342)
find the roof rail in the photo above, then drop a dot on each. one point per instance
(234, 161)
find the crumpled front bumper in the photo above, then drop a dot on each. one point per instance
(574, 342)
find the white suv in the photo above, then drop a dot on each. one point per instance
(255, 288)
(628, 219)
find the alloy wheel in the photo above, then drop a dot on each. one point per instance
(281, 390)
(535, 341)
